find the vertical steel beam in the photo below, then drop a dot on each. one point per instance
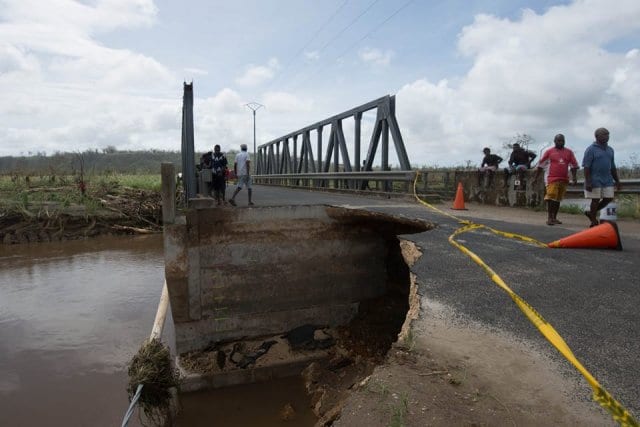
(384, 149)
(336, 151)
(188, 154)
(295, 153)
(357, 131)
(319, 130)
(336, 147)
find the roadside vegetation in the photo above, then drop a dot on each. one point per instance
(66, 207)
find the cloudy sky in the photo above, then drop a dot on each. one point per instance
(88, 74)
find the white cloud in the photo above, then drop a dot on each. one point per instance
(375, 56)
(16, 59)
(284, 102)
(66, 15)
(313, 55)
(222, 119)
(63, 90)
(540, 75)
(255, 75)
(196, 71)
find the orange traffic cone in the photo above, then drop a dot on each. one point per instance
(603, 236)
(458, 203)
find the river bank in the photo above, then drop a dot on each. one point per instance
(60, 211)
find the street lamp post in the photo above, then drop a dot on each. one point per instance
(254, 106)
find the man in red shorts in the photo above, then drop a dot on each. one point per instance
(558, 159)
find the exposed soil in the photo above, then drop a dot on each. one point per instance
(443, 371)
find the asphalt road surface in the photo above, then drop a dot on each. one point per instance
(590, 296)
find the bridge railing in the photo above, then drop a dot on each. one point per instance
(441, 184)
(387, 181)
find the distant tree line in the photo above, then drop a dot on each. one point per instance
(107, 160)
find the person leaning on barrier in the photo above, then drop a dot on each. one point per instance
(519, 161)
(559, 159)
(242, 170)
(206, 163)
(600, 174)
(489, 165)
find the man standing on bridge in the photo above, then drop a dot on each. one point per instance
(219, 165)
(559, 160)
(600, 174)
(242, 169)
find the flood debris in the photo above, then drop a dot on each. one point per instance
(250, 353)
(104, 211)
(308, 337)
(152, 368)
(287, 413)
(243, 360)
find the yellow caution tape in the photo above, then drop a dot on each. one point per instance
(600, 395)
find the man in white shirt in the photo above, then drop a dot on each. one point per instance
(242, 169)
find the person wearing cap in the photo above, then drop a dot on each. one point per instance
(489, 166)
(242, 169)
(600, 174)
(558, 160)
(519, 161)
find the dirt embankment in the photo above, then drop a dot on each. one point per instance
(104, 212)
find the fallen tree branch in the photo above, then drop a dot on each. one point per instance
(133, 229)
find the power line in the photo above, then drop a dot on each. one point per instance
(322, 27)
(349, 25)
(372, 31)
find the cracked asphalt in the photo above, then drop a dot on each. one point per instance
(591, 297)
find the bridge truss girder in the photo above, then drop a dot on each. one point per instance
(284, 155)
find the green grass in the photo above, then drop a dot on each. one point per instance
(25, 192)
(628, 207)
(139, 181)
(399, 412)
(572, 209)
(142, 182)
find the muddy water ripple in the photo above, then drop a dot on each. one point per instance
(71, 316)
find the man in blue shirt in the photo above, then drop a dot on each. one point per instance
(600, 174)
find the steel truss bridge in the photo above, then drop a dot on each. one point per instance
(292, 160)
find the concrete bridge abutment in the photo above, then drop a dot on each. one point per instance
(243, 273)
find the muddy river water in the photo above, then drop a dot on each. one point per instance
(73, 314)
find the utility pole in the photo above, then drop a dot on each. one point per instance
(254, 106)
